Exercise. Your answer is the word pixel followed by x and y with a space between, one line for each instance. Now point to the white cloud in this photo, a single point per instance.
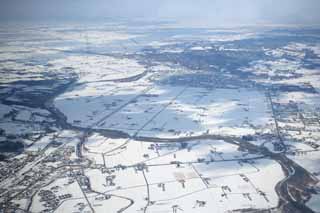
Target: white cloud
pixel 205 11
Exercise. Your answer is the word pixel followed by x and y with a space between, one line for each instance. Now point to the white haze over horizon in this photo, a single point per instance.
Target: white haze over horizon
pixel 195 12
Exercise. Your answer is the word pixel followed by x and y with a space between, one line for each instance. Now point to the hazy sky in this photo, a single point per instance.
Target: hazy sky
pixel 212 12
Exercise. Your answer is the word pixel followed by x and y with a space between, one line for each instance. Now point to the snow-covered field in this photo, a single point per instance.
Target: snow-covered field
pixel 98 68
pixel 210 171
pixel 166 111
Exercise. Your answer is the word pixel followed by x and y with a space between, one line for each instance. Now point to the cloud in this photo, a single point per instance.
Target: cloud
pixel 212 12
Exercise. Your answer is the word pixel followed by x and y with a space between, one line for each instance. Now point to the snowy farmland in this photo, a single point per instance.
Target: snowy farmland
pixel 213 172
pixel 98 68
pixel 166 111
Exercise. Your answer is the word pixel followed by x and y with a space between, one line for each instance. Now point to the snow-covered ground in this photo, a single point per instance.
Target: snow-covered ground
pixel 98 68
pixel 134 80
pixel 166 111
pixel 221 178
